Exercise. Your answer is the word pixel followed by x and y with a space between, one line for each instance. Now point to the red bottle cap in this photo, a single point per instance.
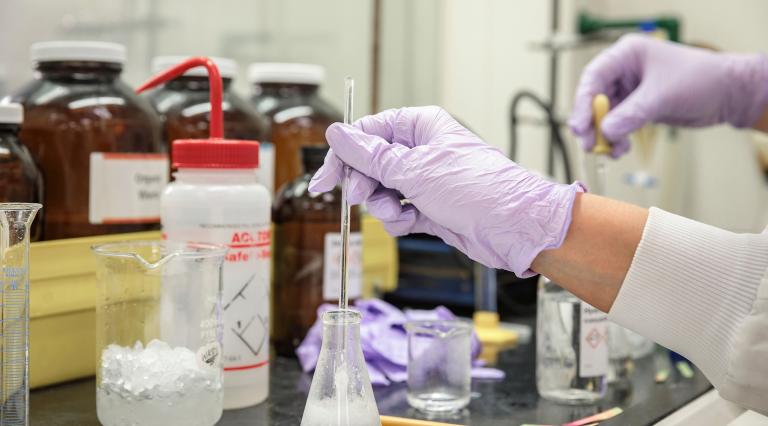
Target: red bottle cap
pixel 214 152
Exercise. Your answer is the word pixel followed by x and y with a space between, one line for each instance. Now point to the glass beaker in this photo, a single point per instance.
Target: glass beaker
pixel 571 347
pixel 439 365
pixel 341 393
pixel 15 220
pixel 158 333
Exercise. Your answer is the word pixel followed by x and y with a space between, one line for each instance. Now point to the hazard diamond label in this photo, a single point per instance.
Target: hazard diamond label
pixel 594 337
pixel 593 351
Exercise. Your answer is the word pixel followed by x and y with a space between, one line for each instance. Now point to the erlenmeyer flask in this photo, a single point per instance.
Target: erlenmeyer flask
pixel 15 220
pixel 341 393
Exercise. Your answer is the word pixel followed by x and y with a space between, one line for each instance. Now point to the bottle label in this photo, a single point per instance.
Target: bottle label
pixel 245 296
pixel 332 266
pixel 125 187
pixel 209 356
pixel 593 338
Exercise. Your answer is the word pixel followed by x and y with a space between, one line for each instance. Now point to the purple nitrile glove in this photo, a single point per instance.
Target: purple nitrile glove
pixel 653 81
pixel 385 342
pixel 460 188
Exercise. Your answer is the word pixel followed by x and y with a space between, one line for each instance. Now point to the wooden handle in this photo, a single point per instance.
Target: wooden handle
pixel 402 421
pixel 600 107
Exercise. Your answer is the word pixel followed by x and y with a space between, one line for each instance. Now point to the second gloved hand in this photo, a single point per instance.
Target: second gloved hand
pixel 459 188
pixel 652 81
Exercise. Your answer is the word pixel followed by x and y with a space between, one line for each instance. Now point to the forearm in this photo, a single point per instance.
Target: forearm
pixel 598 249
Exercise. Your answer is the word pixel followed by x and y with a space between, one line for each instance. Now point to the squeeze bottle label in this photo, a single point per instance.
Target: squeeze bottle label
pixel 126 187
pixel 332 265
pixel 593 342
pixel 245 295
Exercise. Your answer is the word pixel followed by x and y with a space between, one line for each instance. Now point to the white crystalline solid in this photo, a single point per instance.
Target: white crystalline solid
pixel 156 371
pixel 330 412
pixel 158 386
pixel 344 409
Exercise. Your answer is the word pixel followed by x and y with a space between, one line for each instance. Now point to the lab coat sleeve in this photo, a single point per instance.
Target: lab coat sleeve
pixel 703 292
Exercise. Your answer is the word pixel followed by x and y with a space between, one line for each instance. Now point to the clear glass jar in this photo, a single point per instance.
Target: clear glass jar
pixel 159 333
pixel 571 347
pixel 439 365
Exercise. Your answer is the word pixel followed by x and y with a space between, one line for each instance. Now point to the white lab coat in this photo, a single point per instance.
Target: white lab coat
pixel 703 292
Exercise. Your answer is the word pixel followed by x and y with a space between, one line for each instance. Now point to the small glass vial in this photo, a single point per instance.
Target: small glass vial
pixel 20 179
pixel 571 347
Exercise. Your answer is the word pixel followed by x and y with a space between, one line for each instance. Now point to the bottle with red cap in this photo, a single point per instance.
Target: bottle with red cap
pixel 216 199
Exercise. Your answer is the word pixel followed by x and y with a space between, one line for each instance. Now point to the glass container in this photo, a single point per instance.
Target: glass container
pixel 184 106
pixel 97 144
pixel 571 347
pixel 439 365
pixel 15 221
pixel 159 333
pixel 20 179
pixel 289 95
pixel 307 250
pixel 341 392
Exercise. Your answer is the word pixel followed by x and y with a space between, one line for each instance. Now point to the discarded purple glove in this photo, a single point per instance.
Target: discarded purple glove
pixel 384 341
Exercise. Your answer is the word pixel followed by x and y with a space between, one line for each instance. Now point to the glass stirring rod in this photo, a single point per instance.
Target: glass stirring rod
pixel 349 94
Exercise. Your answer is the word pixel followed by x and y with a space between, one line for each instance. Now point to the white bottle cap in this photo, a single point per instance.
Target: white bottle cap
pixel 11 113
pixel 227 67
pixel 272 72
pixel 96 51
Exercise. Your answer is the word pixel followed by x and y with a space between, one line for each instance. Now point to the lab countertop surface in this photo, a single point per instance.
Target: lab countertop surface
pixel 512 401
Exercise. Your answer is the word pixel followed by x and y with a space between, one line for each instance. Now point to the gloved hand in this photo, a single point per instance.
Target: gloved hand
pixel 460 188
pixel 649 80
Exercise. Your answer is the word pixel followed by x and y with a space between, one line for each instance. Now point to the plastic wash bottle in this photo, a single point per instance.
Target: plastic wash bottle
pixel 215 199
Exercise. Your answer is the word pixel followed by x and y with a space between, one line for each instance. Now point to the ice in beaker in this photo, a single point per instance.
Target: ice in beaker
pixel 439 365
pixel 571 347
pixel 158 334
pixel 341 393
pixel 15 220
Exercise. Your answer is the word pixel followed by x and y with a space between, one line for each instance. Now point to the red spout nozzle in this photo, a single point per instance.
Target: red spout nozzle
pixel 215 88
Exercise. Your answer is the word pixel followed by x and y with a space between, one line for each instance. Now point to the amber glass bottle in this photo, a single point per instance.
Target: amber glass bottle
pixel 307 249
pixel 97 144
pixel 183 104
pixel 289 95
pixel 20 180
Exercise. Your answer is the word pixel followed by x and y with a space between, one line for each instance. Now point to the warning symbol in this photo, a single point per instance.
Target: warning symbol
pixel 594 338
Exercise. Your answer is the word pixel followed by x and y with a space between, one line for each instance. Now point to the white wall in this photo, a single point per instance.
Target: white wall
pixel 486 58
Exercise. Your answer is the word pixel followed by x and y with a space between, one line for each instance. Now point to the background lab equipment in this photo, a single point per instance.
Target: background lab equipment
pixel 507 70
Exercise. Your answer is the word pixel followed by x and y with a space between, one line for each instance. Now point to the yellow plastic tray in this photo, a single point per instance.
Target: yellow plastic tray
pixel 63 295
pixel 62 307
